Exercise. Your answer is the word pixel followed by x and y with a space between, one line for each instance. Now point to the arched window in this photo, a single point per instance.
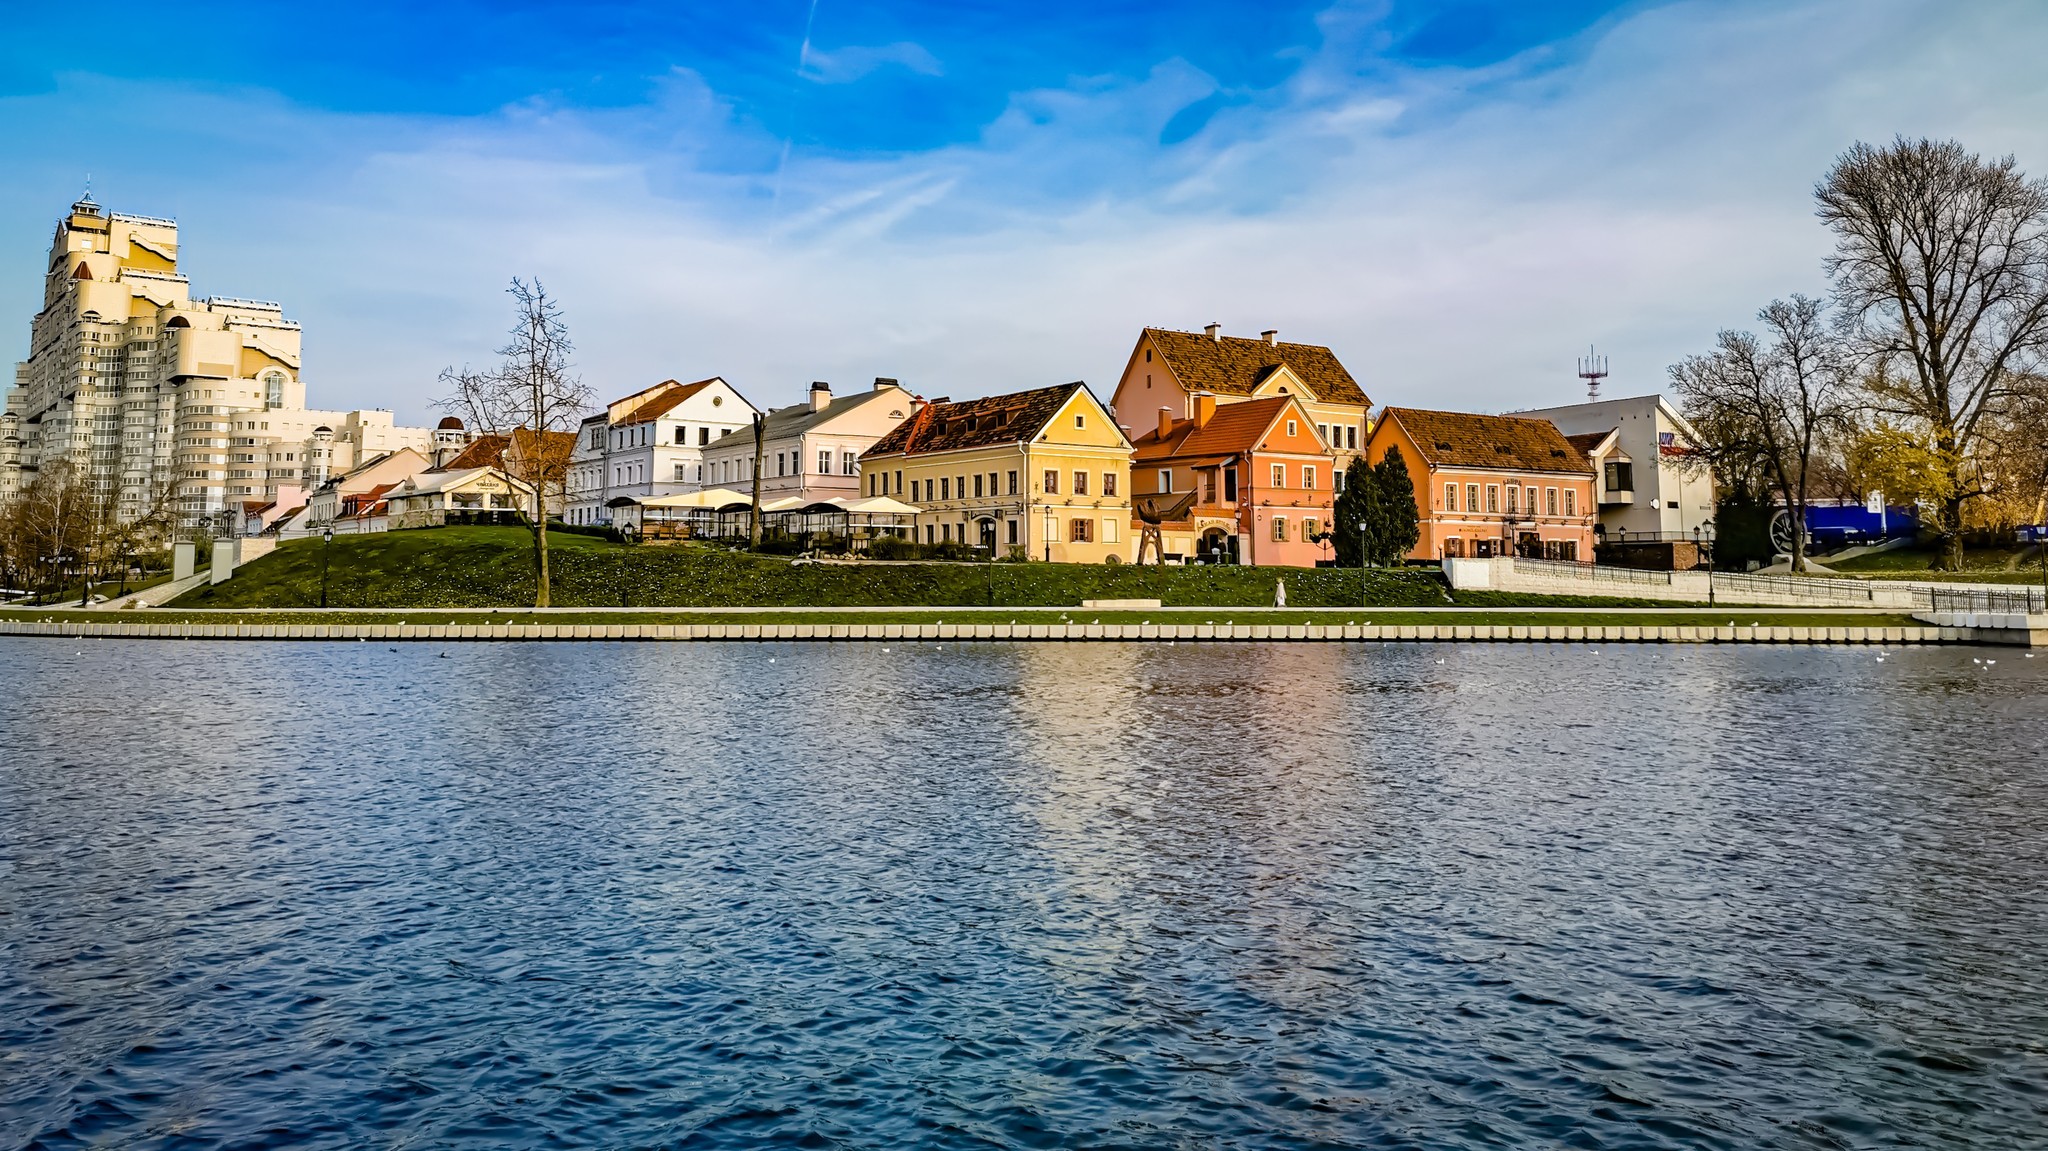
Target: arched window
pixel 273 389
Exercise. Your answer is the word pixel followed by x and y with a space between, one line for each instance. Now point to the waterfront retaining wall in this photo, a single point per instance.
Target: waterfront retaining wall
pixel 1004 632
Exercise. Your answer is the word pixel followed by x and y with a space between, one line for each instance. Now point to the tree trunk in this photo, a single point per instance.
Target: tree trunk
pixel 1951 559
pixel 754 518
pixel 540 546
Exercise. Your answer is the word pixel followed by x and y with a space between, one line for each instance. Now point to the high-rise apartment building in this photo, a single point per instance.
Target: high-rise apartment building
pixel 161 400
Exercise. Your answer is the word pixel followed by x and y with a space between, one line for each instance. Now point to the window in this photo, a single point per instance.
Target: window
pixel 1279 475
pixel 946 532
pixel 1308 477
pixel 1493 499
pixel 1512 492
pixel 871 486
pixel 1166 481
pixel 1052 483
pixel 700 473
pixel 1454 547
pixel 1531 505
pixel 1571 501
pixel 1148 356
pixel 682 473
pixel 703 436
pixel 1471 497
pixel 1550 501
pixel 780 465
pixel 1109 483
pixel 849 464
pixel 1292 429
pixel 1279 529
pixel 899 484
pixel 1013 483
pixel 1450 497
pixel 597 439
pixel 1620 476
pixel 1351 437
pixel 682 434
pixel 825 462
pixel 1080 531
pixel 1080 483
pixel 1013 530
pixel 1309 528
pixel 1323 431
pixel 945 488
pixel 1229 485
pixel 1109 531
pixel 1337 479
pixel 928 496
pixel 977 485
pixel 931 534
pixel 1080 421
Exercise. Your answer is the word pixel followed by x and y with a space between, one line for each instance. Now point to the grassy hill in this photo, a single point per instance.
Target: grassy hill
pixel 2020 565
pixel 492 567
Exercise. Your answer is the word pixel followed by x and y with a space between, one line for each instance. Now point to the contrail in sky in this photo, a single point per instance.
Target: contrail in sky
pixel 803 56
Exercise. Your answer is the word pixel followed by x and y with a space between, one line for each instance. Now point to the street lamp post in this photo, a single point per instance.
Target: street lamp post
pixel 1698 537
pixel 1048 533
pixel 1363 593
pixel 326 557
pixel 2041 549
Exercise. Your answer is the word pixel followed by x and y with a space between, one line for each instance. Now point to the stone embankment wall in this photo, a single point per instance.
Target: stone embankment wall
pixel 947 632
pixel 1562 579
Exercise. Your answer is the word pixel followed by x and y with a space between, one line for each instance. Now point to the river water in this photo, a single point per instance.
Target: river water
pixel 1021 896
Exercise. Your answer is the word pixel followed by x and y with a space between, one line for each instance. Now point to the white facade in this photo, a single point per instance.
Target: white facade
pixel 651 443
pixel 1672 493
pixel 810 451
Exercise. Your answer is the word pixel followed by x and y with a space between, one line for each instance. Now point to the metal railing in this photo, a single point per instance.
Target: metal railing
pixel 1577 571
pixel 2019 601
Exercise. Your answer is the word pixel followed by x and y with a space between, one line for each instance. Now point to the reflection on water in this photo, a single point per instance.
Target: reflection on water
pixel 1029 895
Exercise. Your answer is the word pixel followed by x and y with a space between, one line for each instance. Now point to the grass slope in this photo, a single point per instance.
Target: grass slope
pixel 491 567
pixel 1980 565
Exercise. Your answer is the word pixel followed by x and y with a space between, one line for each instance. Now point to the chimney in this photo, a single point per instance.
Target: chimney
pixel 1214 331
pixel 884 383
pixel 821 395
pixel 1205 406
pixel 1270 335
pixel 1165 422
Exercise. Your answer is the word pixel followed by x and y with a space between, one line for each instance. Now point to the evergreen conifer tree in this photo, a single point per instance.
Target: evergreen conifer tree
pixel 1357 503
pixel 1395 528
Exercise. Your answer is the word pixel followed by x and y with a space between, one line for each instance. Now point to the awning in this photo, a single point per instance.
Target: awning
pixel 882 505
pixel 708 498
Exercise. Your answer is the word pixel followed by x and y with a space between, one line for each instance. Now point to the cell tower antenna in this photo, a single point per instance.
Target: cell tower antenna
pixel 1592 369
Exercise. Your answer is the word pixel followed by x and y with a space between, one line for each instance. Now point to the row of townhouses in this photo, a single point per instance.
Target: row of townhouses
pixel 1215 447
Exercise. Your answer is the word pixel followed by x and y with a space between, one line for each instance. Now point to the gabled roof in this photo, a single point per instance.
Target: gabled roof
pixel 664 403
pixel 1591 444
pixel 485 451
pixel 1470 440
pixel 797 419
pixel 1236 366
pixel 1232 429
pixel 991 420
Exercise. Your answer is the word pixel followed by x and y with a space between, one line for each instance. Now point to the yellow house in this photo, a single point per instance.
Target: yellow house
pixel 1044 474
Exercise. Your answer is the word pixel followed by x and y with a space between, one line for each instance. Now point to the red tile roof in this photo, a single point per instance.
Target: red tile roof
pixel 1234 428
pixel 1235 366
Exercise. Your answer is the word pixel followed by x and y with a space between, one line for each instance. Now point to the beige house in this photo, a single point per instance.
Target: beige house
pixel 327 503
pixel 1043 474
pixel 437 498
pixel 811 451
pixel 1169 369
pixel 164 400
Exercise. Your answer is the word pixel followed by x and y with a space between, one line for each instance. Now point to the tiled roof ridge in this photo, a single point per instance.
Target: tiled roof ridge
pixel 1235 365
pixel 1483 441
pixel 933 427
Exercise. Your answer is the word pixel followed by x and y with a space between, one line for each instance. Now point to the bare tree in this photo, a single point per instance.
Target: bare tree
pixel 533 401
pixel 1765 406
pixel 48 528
pixel 1941 269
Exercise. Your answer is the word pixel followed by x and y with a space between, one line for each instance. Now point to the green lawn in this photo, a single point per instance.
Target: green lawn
pixel 491 567
pixel 2021 565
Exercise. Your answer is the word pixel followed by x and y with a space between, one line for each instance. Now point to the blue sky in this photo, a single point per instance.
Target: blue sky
pixel 1458 197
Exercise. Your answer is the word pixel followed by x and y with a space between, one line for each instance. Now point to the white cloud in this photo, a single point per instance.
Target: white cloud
pixel 855 61
pixel 1458 238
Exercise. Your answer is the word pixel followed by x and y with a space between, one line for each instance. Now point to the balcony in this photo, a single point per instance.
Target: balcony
pixel 1612 498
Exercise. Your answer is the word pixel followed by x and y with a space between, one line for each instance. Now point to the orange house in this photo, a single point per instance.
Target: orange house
pixel 1491 485
pixel 1260 479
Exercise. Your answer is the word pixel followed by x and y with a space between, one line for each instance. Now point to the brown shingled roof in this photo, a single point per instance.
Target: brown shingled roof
pixel 991 420
pixel 1234 365
pixel 1587 441
pixel 1469 440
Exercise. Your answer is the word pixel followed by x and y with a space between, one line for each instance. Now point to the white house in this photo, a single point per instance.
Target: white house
pixel 1651 487
pixel 651 443
pixel 810 451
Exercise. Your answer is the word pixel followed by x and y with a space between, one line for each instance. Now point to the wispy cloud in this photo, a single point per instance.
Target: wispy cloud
pixel 1457 233
pixel 856 62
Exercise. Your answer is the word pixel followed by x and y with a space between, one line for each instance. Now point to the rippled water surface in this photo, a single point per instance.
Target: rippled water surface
pixel 1033 895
